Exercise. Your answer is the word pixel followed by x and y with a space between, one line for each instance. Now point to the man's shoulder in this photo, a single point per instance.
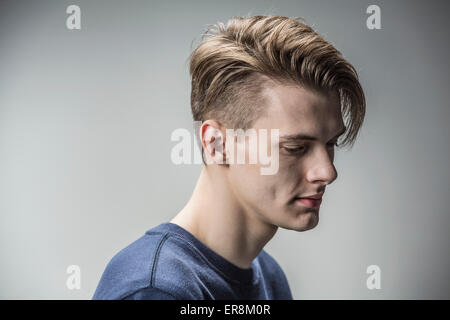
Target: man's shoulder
pixel 267 261
pixel 158 260
pixel 274 275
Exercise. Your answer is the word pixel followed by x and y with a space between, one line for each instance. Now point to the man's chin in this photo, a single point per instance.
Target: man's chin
pixel 304 222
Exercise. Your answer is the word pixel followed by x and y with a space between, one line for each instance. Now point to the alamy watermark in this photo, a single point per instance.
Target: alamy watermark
pixel 374 280
pixel 262 147
pixel 73 281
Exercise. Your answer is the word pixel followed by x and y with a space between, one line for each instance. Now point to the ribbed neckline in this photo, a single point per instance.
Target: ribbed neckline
pixel 230 270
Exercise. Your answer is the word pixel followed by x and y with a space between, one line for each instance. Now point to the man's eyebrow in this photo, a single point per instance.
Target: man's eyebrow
pixel 301 136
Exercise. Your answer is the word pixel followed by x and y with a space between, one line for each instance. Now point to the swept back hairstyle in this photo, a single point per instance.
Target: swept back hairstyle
pixel 226 69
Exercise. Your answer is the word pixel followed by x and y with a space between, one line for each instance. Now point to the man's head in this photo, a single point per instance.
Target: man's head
pixel 272 72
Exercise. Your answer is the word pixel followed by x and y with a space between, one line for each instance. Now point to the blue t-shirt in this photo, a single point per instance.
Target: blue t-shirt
pixel 168 262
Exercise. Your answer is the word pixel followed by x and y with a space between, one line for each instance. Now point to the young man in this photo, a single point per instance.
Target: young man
pixel 263 73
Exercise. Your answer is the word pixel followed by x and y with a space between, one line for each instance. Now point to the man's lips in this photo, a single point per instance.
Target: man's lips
pixel 312 201
pixel 316 196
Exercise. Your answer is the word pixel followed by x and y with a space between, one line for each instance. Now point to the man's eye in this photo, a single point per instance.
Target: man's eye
pixel 295 149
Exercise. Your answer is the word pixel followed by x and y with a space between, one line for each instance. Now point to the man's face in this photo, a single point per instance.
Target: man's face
pixel 305 166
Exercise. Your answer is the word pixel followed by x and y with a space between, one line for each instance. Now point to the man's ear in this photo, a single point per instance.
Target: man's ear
pixel 213 142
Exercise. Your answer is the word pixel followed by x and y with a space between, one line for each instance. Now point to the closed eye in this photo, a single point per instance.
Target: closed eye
pixel 295 149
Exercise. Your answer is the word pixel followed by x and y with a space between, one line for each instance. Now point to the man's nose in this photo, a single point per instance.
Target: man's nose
pixel 322 169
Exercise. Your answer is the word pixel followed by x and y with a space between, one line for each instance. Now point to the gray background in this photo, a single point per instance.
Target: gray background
pixel 85 123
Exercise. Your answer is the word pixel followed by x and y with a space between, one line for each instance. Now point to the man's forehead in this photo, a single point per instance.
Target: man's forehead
pixel 299 98
pixel 290 107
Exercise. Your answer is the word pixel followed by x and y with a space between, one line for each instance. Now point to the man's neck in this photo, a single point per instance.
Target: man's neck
pixel 214 216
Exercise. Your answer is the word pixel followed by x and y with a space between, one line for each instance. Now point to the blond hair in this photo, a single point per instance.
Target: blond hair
pixel 227 65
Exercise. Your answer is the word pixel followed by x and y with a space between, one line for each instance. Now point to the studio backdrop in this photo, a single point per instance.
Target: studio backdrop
pixel 91 92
